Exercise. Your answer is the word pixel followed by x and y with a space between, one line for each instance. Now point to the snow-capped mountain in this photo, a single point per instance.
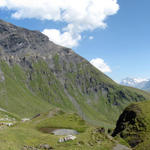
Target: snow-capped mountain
pixel 147 86
pixel 136 82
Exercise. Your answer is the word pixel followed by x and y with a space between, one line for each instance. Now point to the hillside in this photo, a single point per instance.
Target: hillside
pixel 134 125
pixel 37 75
pixel 36 134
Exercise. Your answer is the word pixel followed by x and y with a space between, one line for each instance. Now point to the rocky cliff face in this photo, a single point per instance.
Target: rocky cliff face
pixel 37 74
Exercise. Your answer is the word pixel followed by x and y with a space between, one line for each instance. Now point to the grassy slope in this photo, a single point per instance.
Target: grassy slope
pixel 27 92
pixel 145 131
pixel 28 133
pixel 137 127
pixel 16 97
pixel 93 102
pixel 45 84
pixel 26 98
pixel 5 114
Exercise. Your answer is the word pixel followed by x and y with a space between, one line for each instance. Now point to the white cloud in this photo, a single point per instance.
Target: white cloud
pixel 64 39
pixel 101 65
pixel 91 37
pixel 2 3
pixel 80 15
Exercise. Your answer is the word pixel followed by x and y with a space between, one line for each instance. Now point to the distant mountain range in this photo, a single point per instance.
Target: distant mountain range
pixel 143 84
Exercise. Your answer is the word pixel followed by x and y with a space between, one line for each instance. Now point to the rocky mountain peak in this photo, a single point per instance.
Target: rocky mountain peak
pixel 17 42
pixel 14 39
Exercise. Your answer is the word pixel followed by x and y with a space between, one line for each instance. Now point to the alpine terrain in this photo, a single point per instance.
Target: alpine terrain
pixel 44 86
pixel 133 125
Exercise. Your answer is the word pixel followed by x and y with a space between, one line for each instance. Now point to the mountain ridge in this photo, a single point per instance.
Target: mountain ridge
pixel 36 72
pixel 143 84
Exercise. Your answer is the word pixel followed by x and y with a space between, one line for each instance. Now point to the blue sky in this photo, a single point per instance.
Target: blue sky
pixel 123 46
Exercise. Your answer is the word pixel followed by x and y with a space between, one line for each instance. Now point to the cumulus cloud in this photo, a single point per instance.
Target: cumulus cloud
pixel 80 15
pixel 2 3
pixel 101 65
pixel 64 39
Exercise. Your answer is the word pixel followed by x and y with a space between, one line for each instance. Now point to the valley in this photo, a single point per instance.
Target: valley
pixel 47 86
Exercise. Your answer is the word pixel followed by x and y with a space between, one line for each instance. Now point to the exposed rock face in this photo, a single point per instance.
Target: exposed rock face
pixel 18 42
pixel 14 39
pixel 40 147
pixel 57 75
pixel 2 77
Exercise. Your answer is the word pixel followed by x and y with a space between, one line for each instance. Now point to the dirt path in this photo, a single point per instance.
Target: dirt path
pixel 121 147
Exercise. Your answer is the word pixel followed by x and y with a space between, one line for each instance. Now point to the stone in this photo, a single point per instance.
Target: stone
pixel 67 138
pixel 45 146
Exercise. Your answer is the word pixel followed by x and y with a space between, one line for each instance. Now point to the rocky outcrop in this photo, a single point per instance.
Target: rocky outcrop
pixel 40 147
pixel 131 125
pixel 67 138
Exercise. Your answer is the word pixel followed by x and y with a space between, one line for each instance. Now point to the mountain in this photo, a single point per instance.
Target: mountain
pixel 137 83
pixel 133 125
pixel 44 86
pixel 37 75
pixel 147 86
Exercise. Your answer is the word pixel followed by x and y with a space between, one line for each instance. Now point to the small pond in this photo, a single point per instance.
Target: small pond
pixel 59 131
pixel 64 132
